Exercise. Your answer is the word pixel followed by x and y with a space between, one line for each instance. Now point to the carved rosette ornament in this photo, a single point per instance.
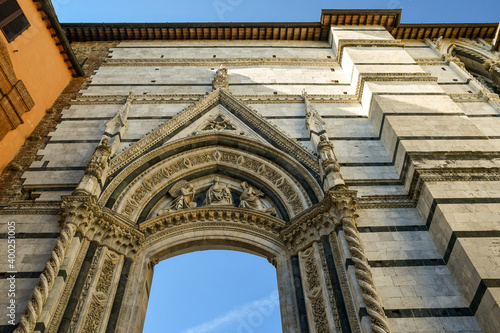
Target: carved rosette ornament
pixel 343 206
pixel 76 210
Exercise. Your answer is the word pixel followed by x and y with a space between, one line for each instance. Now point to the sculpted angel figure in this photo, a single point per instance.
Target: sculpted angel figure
pixel 218 194
pixel 249 198
pixel 184 197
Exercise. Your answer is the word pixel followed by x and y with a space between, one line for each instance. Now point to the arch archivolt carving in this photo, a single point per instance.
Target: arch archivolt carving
pixel 252 231
pixel 140 190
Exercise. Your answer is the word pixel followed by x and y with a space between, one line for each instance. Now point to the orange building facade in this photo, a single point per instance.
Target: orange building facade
pixel 36 64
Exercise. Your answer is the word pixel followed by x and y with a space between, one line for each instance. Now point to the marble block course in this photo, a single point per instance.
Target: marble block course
pixel 423 159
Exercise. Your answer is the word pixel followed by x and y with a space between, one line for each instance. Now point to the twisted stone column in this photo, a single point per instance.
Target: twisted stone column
pixel 346 208
pixel 74 213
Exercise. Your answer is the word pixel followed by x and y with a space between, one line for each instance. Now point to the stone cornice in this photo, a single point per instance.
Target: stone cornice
pixel 216 62
pixel 32 208
pixel 190 99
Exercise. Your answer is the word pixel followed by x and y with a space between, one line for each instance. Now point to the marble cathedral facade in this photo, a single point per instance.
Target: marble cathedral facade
pixel 358 155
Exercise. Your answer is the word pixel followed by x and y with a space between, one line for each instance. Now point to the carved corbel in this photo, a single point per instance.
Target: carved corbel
pixel 114 232
pixel 309 227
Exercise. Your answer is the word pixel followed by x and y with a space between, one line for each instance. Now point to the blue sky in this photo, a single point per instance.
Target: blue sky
pixel 222 291
pixel 414 11
pixel 214 291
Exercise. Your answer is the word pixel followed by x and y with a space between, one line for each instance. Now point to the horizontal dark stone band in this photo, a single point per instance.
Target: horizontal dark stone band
pixel 69 168
pixel 56 188
pixel 400 263
pixel 482 115
pixel 433 114
pixel 72 141
pixel 84 118
pixel 477 137
pixel 451 201
pixel 228 46
pixel 153 84
pixel 453 83
pixel 394 228
pixel 27 235
pixel 411 94
pixel 467 234
pixel 422 312
pixel 368 164
pixel 390 182
pixel 28 275
pixel 428 312
pixel 385 63
pixel 481 290
pixel 406 263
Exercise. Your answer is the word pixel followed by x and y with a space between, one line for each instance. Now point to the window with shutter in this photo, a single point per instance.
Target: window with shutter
pixel 12 19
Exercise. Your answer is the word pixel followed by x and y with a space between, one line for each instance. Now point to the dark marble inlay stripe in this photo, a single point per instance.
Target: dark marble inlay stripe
pixel 299 294
pixel 428 312
pixel 467 234
pixel 451 201
pixel 394 228
pixel 29 275
pixel 26 235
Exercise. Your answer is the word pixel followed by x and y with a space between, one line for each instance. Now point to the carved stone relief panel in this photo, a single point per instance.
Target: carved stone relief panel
pixel 93 308
pixel 140 191
pixel 323 317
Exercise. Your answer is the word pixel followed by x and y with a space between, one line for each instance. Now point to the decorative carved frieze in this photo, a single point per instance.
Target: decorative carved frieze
pixel 190 98
pixel 137 193
pixel 230 215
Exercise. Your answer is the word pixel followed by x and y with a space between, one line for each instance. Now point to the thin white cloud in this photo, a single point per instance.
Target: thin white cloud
pixel 261 308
